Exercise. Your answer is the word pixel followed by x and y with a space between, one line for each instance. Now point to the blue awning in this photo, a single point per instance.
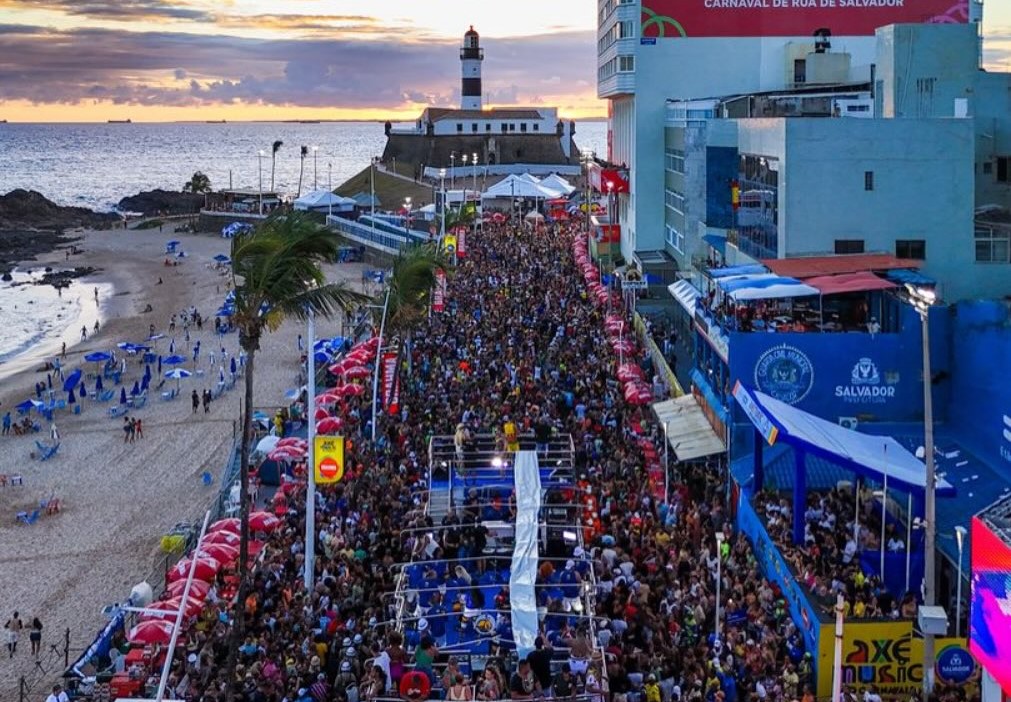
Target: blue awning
pixel 712 399
pixel 719 243
pixel 908 275
pixel 749 269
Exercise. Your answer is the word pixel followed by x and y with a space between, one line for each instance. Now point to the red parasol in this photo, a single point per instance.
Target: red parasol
pixel 222 537
pixel 320 413
pixel 329 425
pixel 286 453
pixel 327 398
pixel 206 569
pixel 198 588
pixel 263 521
pixel 352 390
pixel 231 524
pixel 151 632
pixel 292 441
pixel 357 373
pixel 223 553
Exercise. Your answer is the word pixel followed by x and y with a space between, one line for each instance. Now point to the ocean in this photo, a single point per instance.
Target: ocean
pixel 95 165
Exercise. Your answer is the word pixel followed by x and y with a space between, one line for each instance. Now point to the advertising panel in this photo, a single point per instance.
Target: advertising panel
pixel 388 376
pixel 990 611
pixel 790 18
pixel 887 656
pixel 328 455
pixel 439 294
pixel 834 375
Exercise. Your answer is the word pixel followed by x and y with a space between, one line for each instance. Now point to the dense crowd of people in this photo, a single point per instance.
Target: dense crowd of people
pixel 519 344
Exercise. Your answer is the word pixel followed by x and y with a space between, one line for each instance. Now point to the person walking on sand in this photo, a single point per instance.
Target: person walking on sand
pixel 207 400
pixel 63 351
pixel 96 295
pixel 126 429
pixel 138 428
pixel 84 333
pixel 133 429
pixel 196 401
pixel 54 433
pixel 12 631
pixel 35 636
pixel 7 424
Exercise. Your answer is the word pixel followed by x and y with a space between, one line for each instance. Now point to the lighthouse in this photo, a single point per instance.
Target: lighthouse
pixel 471 56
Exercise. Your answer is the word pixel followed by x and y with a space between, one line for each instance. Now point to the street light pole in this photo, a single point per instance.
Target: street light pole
pixel 375 375
pixel 259 155
pixel 315 171
pixel 719 578
pixel 960 539
pixel 329 187
pixel 442 210
pixel 310 492
pixel 452 169
pixel 922 299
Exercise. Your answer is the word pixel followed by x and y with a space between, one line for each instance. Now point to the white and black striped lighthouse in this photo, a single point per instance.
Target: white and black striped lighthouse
pixel 471 56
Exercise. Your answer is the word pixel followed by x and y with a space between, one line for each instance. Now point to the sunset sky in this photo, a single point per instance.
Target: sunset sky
pixel 161 60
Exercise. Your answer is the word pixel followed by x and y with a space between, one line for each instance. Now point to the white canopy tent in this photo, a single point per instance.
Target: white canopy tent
pixel 556 182
pixel 519 187
pixel 319 200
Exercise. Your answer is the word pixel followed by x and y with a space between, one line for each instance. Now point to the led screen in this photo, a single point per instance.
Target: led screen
pixel 990 625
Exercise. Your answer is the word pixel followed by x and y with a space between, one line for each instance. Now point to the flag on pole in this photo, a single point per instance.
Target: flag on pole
pixel 439 294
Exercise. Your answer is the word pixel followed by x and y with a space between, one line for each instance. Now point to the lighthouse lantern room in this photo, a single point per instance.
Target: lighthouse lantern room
pixel 471 56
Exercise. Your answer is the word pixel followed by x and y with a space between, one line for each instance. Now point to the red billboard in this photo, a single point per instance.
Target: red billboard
pixel 990 611
pixel 790 18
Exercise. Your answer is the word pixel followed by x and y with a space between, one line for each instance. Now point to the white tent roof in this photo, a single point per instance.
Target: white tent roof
pixel 686 294
pixel 688 431
pixel 321 198
pixel 519 186
pixel 556 182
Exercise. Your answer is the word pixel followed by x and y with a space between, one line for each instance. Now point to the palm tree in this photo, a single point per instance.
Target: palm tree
pixel 276 274
pixel 273 160
pixel 411 282
pixel 301 168
pixel 198 183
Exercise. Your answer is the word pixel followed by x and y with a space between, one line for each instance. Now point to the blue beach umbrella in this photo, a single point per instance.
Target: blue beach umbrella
pixel 172 346
pixel 147 372
pixel 144 382
pixel 173 360
pixel 231 365
pixel 25 406
pixel 70 397
pixel 72 380
pixel 178 374
pixel 49 380
pixel 122 395
pixel 159 365
pixel 98 384
pixel 98 357
pixel 135 390
pixel 221 258
pixel 83 392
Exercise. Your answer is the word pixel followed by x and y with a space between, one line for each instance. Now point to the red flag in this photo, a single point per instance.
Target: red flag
pixel 439 294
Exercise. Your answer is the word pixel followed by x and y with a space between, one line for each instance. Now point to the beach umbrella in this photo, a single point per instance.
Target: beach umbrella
pixel 135 390
pixel 178 374
pixel 329 425
pixel 151 632
pixel 27 405
pixel 83 392
pixel 357 373
pixel 70 397
pixel 352 390
pixel 173 242
pixel 72 380
pixel 286 453
pixel 327 398
pixel 172 346
pixel 221 374
pixel 221 537
pixel 156 337
pixel 159 365
pixel 320 413
pixel 230 524
pixel 98 357
pixel 206 569
pixel 198 588
pixel 266 444
pixel 144 383
pixel 122 395
pixel 263 522
pixel 173 360
pixel 147 372
pixel 98 384
pixel 166 610
pixel 221 258
pixel 321 356
pixel 294 441
pixel 224 553
pixel 232 365
pixel 49 380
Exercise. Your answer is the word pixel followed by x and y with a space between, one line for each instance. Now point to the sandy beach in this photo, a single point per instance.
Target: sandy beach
pixel 117 499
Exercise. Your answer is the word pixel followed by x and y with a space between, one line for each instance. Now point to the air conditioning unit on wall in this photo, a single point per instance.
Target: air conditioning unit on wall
pixel 848 422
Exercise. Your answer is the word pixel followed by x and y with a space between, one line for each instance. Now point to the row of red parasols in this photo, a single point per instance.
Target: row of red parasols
pixel 218 551
pixel 635 389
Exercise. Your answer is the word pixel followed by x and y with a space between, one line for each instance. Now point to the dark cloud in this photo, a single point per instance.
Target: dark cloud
pixel 116 10
pixel 339 72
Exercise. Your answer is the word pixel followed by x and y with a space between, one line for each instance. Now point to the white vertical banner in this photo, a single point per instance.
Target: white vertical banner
pixel 526 556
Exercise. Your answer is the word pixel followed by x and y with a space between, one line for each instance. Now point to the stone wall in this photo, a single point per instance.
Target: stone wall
pixel 421 150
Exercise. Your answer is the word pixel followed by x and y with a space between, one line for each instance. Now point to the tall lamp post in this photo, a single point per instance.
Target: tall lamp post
pixel 923 299
pixel 452 169
pixel 719 578
pixel 329 188
pixel 310 492
pixel 442 207
pixel 260 156
pixel 587 161
pixel 960 532
pixel 477 202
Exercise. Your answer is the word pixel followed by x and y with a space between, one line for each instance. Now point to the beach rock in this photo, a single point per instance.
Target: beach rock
pixel 28 209
pixel 21 245
pixel 162 202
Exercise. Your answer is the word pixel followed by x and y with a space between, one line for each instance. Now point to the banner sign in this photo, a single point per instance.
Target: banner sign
pixel 673 19
pixel 461 243
pixel 388 370
pixel 746 402
pixel 449 244
pixel 439 294
pixel 328 457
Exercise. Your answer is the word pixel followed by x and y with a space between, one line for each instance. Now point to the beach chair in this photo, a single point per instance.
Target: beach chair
pixel 28 519
pixel 140 400
pixel 169 394
pixel 217 390
pixel 16 479
pixel 46 451
pixel 117 410
pixel 106 396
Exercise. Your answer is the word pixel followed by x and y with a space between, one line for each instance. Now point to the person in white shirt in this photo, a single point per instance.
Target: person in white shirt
pixel 896 544
pixel 58 695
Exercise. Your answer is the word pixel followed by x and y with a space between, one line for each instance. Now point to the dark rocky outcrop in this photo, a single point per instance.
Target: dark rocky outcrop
pixel 162 202
pixel 27 209
pixel 19 246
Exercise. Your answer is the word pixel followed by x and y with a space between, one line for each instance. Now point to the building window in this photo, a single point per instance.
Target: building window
pixel 676 239
pixel 505 127
pixel 1002 169
pixel 537 127
pixel 674 201
pixel 512 127
pixel 987 167
pixel 868 180
pixel 993 245
pixel 757 218
pixel 674 160
pixel 849 246
pixel 487 127
pixel 523 126
pixel 911 248
pixel 799 71
pixel 459 126
pixel 626 64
